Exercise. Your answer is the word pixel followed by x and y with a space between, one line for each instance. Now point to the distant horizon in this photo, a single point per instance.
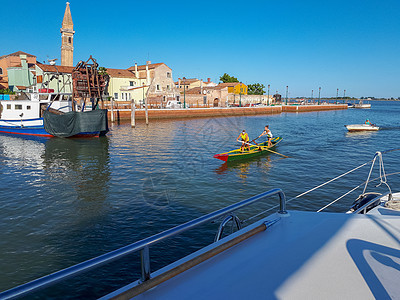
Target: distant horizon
pixel 345 45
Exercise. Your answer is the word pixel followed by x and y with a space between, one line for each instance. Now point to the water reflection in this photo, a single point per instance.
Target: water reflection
pixel 361 134
pixel 243 168
pixel 80 163
pixel 21 152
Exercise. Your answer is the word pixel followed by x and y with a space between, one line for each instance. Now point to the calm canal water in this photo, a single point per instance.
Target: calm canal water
pixel 67 200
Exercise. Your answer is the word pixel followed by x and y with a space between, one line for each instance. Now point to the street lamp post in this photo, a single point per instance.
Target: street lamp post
pixel 287 87
pixel 240 95
pixel 344 96
pixel 337 96
pixel 319 96
pixel 268 95
pixel 312 96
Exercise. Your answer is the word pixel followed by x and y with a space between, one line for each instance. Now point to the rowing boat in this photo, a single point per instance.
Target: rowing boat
pixel 237 154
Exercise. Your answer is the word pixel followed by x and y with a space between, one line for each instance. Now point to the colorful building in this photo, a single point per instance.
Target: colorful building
pixel 17 67
pixel 184 84
pixel 125 86
pixel 237 88
pixel 158 77
pixel 54 79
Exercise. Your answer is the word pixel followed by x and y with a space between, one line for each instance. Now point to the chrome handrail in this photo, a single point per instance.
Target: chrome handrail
pixel 235 221
pixel 142 245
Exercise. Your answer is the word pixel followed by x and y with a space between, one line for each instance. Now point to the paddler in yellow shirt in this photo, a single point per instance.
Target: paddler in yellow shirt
pixel 244 138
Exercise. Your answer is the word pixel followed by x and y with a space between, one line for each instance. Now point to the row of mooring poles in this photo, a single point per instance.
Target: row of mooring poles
pixel 133 110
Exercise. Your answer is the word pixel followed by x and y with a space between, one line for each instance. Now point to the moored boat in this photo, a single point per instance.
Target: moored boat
pixel 46 113
pixel 255 150
pixel 39 115
pixel 361 104
pixel 361 127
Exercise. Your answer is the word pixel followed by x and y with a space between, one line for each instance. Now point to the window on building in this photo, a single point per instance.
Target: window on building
pixel 158 87
pixel 168 75
pixel 1 71
pixel 116 96
pixel 69 40
pixel 18 107
pixel 28 107
pixel 168 87
pixel 131 83
pixel 8 106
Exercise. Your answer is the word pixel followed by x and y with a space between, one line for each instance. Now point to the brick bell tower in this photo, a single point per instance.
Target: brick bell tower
pixel 67 39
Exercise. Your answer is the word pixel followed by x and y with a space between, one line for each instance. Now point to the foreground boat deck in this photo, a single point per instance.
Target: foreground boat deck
pixel 303 255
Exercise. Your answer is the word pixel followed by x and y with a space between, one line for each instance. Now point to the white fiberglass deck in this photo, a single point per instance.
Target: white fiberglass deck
pixel 305 255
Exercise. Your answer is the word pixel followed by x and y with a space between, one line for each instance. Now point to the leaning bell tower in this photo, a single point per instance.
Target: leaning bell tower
pixel 67 39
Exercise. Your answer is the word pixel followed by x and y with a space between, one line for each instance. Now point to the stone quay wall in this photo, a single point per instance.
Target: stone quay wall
pixel 154 114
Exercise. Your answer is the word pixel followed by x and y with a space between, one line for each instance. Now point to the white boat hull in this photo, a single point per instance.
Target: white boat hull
pixel 361 127
pixel 362 106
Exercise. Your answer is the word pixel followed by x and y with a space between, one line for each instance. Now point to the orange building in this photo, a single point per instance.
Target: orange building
pixel 11 61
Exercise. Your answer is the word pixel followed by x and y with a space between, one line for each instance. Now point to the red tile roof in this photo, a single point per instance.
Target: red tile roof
pixel 50 68
pixel 196 90
pixel 229 84
pixel 143 67
pixel 18 53
pixel 120 73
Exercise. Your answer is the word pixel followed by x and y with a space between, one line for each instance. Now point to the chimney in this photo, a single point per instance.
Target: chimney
pixel 147 74
pixel 208 80
pixel 24 63
pixel 136 71
pixel 148 62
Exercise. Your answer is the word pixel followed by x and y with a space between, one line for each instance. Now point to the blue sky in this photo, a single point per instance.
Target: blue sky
pixel 352 45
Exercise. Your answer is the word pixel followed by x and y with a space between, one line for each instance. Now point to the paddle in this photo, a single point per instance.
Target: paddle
pixel 266 148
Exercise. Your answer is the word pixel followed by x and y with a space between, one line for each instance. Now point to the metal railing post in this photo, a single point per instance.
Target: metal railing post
pixel 145 263
pixel 282 203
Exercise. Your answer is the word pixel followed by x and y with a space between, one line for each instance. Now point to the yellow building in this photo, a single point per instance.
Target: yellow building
pixel 237 88
pixel 124 86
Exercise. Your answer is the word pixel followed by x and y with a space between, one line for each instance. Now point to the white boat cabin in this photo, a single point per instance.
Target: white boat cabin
pixel 32 108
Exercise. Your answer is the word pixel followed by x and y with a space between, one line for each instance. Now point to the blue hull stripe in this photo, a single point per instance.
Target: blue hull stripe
pixel 37 131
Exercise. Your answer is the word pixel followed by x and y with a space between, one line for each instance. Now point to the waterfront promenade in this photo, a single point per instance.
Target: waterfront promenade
pixel 125 113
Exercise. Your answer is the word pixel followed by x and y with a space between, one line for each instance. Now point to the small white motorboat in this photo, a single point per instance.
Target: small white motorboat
pixel 361 127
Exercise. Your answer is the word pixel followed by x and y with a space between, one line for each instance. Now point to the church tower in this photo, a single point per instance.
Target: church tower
pixel 67 39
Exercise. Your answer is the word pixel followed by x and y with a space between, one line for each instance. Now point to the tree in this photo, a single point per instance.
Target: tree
pixel 255 89
pixel 103 71
pixel 226 78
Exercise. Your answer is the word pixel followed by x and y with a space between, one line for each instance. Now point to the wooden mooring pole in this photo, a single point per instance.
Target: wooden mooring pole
pixel 132 113
pixel 112 110
pixel 146 112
